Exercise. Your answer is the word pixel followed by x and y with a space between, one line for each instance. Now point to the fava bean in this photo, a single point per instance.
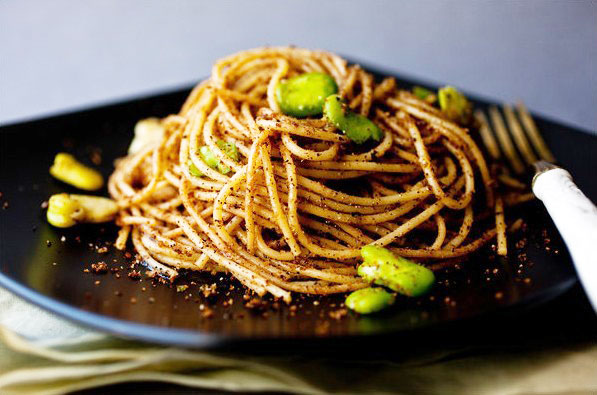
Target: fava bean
pixel 369 300
pixel 455 105
pixel 382 267
pixel 229 149
pixel 423 93
pixel 355 126
pixel 193 169
pixel 303 95
pixel 213 161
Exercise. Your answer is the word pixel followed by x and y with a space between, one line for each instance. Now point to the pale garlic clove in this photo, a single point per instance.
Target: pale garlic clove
pixel 63 212
pixel 148 132
pixel 66 210
pixel 67 169
pixel 97 209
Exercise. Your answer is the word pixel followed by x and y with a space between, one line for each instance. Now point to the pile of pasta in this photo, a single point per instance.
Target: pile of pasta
pixel 291 212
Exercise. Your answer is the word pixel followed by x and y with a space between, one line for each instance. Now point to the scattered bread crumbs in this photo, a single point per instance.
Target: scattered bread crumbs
pixel 338 314
pixel 134 275
pixel 207 313
pixel 208 290
pixel 99 268
pixel 256 304
pixel 96 157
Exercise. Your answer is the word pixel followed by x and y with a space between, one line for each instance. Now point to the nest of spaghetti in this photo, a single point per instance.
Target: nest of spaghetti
pixel 292 209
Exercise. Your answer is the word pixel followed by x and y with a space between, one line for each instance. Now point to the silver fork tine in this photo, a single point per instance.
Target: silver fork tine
pixel 505 141
pixel 487 135
pixel 519 136
pixel 533 133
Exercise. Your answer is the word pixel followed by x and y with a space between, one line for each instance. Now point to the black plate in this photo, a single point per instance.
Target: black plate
pixel 37 265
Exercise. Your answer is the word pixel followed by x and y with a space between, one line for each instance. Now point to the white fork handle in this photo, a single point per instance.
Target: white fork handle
pixel 575 217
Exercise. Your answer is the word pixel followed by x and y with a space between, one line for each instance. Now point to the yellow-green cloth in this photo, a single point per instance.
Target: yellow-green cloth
pixel 43 354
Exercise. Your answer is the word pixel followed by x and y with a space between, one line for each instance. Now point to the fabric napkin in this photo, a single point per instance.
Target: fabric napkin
pixel 43 354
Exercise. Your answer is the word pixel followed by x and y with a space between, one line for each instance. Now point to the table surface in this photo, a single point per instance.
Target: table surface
pixel 58 55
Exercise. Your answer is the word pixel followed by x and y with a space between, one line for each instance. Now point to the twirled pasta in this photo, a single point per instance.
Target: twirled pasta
pixel 284 219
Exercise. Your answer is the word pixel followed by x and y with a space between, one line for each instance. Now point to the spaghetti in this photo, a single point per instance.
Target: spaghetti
pixel 292 211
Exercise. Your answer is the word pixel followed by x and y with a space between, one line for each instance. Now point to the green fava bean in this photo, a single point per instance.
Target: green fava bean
pixel 355 126
pixel 212 161
pixel 303 95
pixel 193 169
pixel 208 157
pixel 421 93
pixel 229 149
pixel 369 300
pixel 454 104
pixel 382 267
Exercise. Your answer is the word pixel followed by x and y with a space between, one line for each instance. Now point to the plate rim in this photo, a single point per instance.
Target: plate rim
pixel 132 330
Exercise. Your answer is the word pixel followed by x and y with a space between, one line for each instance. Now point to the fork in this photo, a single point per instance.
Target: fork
pixel 573 213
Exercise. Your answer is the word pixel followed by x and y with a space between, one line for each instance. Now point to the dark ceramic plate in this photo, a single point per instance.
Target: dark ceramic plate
pixel 37 265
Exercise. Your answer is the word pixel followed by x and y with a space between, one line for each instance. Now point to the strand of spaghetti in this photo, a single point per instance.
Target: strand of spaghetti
pixel 226 191
pixel 465 228
pixel 500 227
pixel 299 129
pixel 306 154
pixel 213 255
pixel 249 279
pixel 152 263
pixel 210 141
pixel 230 117
pixel 123 235
pixel 281 70
pixel 249 192
pixel 424 159
pixel 275 201
pixel 231 226
pixel 367 92
pixel 330 174
pixel 409 98
pixel 330 193
pixel 469 178
pixel 362 166
pixel 235 95
pixel 348 83
pixel 452 131
pixel 385 88
pixel 377 152
pixel 441 233
pixel 293 211
pixel 451 252
pixel 270 252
